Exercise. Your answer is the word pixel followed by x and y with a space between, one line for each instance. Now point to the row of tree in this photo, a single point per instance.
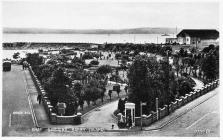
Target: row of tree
pixel 150 79
pixel 69 82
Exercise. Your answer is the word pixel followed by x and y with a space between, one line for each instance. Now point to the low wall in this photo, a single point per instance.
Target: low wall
pixel 173 106
pixel 146 120
pixel 152 117
pixel 163 112
pixel 53 117
pixel 179 103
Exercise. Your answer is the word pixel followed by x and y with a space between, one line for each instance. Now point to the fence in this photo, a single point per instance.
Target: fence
pixel 53 117
pixel 152 117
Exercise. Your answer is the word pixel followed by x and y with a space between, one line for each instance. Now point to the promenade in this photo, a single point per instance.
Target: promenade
pixel 22 113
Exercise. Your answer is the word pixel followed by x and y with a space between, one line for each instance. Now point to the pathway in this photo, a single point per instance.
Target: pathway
pixel 105 113
pixel 199 84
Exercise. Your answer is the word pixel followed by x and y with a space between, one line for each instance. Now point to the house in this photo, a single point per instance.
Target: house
pixel 171 40
pixel 198 37
pixel 94 46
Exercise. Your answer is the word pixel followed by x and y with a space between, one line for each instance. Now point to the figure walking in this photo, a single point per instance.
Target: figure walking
pixel 126 89
pixel 24 64
pixel 39 98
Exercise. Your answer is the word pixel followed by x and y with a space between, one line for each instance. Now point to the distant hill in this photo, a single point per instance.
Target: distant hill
pixel 146 30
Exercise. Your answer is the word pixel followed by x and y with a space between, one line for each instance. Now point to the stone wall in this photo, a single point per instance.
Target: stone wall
pixel 53 117
pixel 152 117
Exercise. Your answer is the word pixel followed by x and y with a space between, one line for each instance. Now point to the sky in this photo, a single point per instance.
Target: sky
pixel 109 15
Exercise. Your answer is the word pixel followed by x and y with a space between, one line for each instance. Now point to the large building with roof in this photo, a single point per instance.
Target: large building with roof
pixel 198 37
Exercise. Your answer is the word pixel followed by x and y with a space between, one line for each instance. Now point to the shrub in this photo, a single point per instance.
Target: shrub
pixel 104 69
pixel 16 55
pixel 94 62
pixel 118 56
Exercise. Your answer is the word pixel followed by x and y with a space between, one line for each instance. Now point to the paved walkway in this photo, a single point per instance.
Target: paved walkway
pixel 39 111
pixel 199 84
pixel 101 117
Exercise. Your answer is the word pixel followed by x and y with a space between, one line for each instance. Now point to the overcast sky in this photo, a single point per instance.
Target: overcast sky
pixel 100 15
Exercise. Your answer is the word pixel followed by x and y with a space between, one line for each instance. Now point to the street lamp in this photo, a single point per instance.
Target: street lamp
pixel 157 108
pixel 141 104
pixel 168 71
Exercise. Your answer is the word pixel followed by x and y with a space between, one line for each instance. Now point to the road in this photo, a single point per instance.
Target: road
pixel 203 120
pixel 16 113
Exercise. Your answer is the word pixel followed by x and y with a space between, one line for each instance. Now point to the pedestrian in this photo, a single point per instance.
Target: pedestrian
pixel 24 64
pixel 112 126
pixel 109 94
pixel 130 122
pixel 127 122
pixel 126 89
pixel 39 98
pixel 125 100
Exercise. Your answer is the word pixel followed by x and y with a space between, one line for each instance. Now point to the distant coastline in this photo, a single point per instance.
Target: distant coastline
pixel 146 30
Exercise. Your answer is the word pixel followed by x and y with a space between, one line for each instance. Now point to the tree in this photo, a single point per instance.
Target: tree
pixel 77 88
pixel 16 55
pixel 34 59
pixel 149 80
pixel 181 53
pixel 94 62
pixel 56 86
pixel 95 94
pixel 209 67
pixel 45 71
pixel 52 62
pixel 104 69
pixel 118 56
pixel 140 82
pixel 91 94
pixel 176 63
pixel 184 86
pixel 207 49
pixel 117 88
pixel 78 62
pixel 78 74
pixel 92 91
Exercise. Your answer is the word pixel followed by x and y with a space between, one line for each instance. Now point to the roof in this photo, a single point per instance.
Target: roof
pixel 201 33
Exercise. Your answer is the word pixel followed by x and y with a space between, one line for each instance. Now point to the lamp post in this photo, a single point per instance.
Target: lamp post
pixel 157 108
pixel 141 114
pixel 168 71
pixel 141 104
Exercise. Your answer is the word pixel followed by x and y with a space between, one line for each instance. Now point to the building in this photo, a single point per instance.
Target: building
pixel 94 46
pixel 171 40
pixel 198 37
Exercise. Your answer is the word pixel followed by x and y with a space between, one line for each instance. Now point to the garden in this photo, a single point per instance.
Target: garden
pixel 66 80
